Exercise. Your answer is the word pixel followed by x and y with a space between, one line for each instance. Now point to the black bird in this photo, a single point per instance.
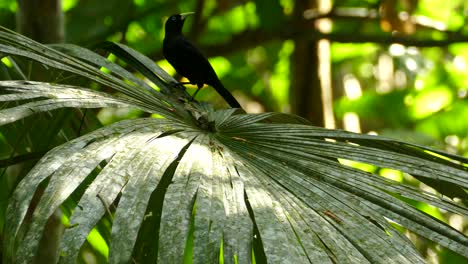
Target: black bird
pixel 189 61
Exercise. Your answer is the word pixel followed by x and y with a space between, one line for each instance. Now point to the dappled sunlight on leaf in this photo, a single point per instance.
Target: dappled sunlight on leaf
pixel 430 101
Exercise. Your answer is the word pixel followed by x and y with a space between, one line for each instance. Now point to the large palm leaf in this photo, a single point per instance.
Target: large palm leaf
pixel 199 184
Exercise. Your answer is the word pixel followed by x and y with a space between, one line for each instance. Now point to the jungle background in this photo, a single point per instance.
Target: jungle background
pixel 393 67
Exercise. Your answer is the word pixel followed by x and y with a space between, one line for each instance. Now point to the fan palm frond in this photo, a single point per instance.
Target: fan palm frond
pixel 202 184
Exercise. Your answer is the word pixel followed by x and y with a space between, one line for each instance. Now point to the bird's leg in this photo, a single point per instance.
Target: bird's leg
pixel 176 85
pixel 198 89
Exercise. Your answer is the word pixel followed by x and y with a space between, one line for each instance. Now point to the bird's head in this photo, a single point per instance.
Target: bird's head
pixel 175 23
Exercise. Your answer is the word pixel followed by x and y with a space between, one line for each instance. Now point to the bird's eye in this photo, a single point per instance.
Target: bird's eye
pixel 173 18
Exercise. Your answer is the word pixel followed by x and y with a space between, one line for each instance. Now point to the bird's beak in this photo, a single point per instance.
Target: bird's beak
pixel 184 15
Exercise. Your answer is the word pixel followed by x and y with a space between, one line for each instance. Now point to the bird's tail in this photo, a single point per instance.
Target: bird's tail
pixel 231 100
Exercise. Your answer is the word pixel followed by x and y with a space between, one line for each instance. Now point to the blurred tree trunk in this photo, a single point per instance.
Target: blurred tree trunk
pixel 41 20
pixel 308 98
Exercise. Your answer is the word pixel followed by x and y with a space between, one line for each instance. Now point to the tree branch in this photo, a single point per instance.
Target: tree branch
pixel 361 15
pixel 253 38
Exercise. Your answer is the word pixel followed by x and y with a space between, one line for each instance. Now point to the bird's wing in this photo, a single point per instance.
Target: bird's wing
pixel 190 50
pixel 190 62
pixel 193 63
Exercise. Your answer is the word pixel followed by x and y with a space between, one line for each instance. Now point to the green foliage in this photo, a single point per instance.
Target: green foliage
pixel 270 13
pixel 252 45
pixel 224 184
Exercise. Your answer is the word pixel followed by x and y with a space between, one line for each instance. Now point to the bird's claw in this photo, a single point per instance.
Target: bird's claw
pixel 177 85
